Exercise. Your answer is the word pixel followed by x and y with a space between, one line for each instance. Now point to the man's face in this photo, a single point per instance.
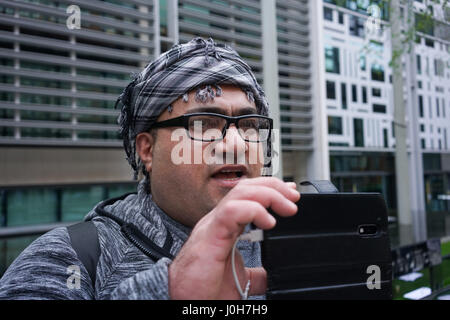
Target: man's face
pixel 189 190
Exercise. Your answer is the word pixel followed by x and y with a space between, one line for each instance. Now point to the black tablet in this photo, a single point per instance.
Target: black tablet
pixel 336 247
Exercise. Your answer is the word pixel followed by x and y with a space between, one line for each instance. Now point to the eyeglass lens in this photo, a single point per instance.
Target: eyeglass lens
pixel 211 128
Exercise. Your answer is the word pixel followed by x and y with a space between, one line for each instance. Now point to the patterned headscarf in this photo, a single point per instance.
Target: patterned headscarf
pixel 199 64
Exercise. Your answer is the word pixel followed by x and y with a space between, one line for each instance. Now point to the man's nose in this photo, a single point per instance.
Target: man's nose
pixel 232 142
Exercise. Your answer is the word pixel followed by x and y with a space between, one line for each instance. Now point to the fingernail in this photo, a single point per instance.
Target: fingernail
pixel 294 192
pixel 273 221
pixel 292 185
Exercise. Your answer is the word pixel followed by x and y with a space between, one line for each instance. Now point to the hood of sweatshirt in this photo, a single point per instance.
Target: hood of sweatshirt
pixel 141 211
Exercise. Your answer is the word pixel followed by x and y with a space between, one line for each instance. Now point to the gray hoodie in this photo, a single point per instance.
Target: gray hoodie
pixel 42 270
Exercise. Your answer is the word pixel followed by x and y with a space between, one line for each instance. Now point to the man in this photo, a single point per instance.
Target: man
pixel 192 210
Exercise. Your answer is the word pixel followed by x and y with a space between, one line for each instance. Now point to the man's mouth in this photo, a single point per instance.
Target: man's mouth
pixel 230 174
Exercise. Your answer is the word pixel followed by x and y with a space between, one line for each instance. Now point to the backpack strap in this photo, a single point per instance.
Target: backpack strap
pixel 322 186
pixel 84 239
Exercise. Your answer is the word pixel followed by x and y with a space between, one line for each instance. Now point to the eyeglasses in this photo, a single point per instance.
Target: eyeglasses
pixel 210 127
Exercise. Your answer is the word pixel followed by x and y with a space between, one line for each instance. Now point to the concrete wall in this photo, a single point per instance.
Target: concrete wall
pixel 45 165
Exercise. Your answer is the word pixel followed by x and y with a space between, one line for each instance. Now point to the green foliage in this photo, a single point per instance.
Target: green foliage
pixel 424 22
pixel 400 287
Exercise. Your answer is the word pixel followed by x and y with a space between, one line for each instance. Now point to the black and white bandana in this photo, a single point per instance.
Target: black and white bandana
pixel 199 64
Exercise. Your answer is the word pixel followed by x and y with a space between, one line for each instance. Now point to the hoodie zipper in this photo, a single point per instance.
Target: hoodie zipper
pixel 130 236
pixel 127 229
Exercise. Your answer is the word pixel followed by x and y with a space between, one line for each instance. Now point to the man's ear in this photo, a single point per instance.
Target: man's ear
pixel 144 146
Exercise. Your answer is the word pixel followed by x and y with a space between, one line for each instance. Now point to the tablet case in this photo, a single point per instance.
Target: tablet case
pixel 330 249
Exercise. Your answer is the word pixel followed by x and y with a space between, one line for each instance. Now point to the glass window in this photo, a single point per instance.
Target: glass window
pixel 364 94
pixel 376 92
pixel 11 248
pixel 327 14
pixel 334 125
pixel 332 59
pixel 376 48
pixel 344 95
pixel 430 107
pixel 102 74
pixel 385 138
pixel 379 108
pixel 44 67
pixel 435 188
pixel 341 18
pixel 362 62
pixel 44 99
pixel 45 133
pixel 445 141
pixel 91 134
pixel 118 190
pixel 43 50
pixel 439 67
pixel 437 108
pixel 6 79
pixel 443 108
pixel 6 62
pixel 6 132
pixel 77 202
pixel 421 106
pixel 354 93
pixel 44 116
pixel 99 89
pixel 424 24
pixel 429 42
pixel 24 81
pixel 6 114
pixel 419 64
pixel 88 118
pixel 6 96
pixel 87 103
pixel 31 206
pixel 163 17
pixel 331 90
pixel 356 26
pixel 377 72
pixel 358 132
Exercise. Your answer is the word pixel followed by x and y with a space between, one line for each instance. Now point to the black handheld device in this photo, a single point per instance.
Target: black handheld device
pixel 336 247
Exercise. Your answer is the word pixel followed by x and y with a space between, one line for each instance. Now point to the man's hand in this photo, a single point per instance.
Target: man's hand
pixel 202 269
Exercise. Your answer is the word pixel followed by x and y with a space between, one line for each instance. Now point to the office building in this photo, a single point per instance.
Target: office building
pixel 329 84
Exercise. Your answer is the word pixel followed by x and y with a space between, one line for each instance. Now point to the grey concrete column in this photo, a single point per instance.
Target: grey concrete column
pixel 416 162
pixel 73 88
pixel 144 36
pixel 17 133
pixel 270 76
pixel 401 156
pixel 318 161
pixel 173 30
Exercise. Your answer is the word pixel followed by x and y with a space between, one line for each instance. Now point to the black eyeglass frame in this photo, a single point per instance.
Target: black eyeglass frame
pixel 183 121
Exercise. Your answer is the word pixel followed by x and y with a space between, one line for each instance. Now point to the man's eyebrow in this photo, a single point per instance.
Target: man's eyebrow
pixel 212 109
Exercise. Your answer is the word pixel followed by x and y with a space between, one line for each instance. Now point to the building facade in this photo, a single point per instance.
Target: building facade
pixel 327 79
pixel 60 152
pixel 360 104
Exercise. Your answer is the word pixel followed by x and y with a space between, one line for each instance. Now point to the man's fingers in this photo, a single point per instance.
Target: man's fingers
pixel 287 189
pixel 258 281
pixel 268 197
pixel 249 204
pixel 231 220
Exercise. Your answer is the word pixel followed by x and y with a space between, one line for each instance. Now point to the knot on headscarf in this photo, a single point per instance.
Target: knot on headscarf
pixel 199 64
pixel 210 50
